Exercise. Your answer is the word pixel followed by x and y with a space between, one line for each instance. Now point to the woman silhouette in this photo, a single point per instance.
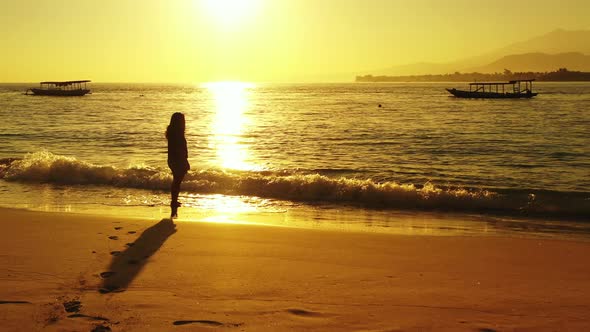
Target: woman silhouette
pixel 177 158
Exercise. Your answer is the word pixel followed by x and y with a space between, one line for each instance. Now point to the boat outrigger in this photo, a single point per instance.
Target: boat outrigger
pixel 515 89
pixel 66 88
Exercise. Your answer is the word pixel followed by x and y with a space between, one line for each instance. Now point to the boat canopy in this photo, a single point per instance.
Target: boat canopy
pixel 65 83
pixel 517 81
pixel 500 87
pixel 501 83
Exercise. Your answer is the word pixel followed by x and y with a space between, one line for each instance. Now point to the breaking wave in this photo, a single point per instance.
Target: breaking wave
pixel 45 167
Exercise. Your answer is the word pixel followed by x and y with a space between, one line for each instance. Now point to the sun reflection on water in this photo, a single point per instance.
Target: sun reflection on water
pixel 231 101
pixel 224 203
pixel 226 209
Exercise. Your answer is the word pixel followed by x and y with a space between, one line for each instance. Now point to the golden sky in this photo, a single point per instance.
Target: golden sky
pixel 258 40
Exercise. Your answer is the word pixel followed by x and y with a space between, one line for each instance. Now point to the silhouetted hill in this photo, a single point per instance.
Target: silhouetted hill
pixel 560 75
pixel 554 43
pixel 537 62
pixel 422 68
pixel 557 41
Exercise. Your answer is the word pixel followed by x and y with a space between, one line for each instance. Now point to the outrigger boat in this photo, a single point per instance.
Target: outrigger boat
pixel 66 88
pixel 515 89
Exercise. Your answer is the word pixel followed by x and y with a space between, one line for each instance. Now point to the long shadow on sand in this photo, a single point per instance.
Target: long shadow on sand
pixel 127 264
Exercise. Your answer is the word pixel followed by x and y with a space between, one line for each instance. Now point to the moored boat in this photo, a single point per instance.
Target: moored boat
pixel 64 89
pixel 515 89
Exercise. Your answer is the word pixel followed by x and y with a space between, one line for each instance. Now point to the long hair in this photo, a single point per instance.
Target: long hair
pixel 176 126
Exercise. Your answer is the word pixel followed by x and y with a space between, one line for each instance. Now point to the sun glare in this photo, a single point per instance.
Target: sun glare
pixel 231 102
pixel 229 12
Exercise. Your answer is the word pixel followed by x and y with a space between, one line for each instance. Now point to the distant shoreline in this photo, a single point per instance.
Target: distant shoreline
pixel 359 79
pixel 560 75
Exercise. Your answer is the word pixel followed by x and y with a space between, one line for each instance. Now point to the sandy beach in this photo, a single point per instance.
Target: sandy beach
pixel 75 272
pixel 358 166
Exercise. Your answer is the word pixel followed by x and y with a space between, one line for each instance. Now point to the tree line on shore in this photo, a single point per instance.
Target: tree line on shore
pixel 560 75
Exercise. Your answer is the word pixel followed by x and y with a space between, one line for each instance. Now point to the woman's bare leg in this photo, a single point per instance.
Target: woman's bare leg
pixel 174 191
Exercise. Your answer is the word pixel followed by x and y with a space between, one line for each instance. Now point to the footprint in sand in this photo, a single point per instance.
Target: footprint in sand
pixel 111 289
pixel 303 313
pixel 113 237
pixel 115 253
pixel 130 244
pixel 118 228
pixel 88 317
pixel 210 323
pixel 131 232
pixel 14 302
pixel 107 274
pixel 101 328
pixel 72 306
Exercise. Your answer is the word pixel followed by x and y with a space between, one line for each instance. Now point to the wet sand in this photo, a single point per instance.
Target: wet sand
pixel 75 272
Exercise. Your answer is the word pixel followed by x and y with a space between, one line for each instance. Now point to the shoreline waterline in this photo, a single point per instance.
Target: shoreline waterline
pixel 224 209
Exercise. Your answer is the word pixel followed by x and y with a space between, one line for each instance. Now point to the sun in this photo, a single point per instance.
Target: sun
pixel 229 12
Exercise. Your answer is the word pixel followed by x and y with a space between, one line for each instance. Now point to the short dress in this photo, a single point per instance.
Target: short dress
pixel 178 155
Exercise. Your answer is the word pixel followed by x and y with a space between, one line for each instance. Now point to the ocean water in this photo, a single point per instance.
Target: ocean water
pixel 383 149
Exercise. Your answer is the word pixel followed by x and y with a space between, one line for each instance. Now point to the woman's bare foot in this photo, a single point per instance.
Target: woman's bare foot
pixel 173 210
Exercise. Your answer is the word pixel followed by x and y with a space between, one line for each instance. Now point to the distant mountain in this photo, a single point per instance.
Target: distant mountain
pixel 556 42
pixel 560 75
pixel 537 62
pixel 422 68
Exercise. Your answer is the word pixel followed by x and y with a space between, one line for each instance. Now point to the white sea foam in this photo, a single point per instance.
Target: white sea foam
pixel 45 167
